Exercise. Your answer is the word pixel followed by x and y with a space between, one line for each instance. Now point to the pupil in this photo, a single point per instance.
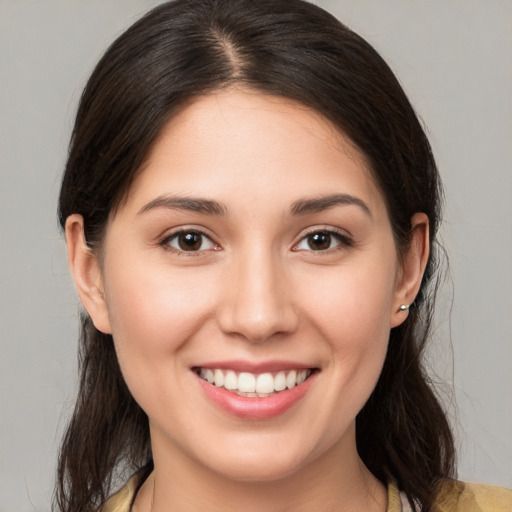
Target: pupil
pixel 189 241
pixel 319 241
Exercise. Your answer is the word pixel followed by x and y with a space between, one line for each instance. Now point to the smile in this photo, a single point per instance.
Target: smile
pixel 254 385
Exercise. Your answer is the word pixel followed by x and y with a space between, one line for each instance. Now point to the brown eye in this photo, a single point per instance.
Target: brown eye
pixel 319 241
pixel 189 241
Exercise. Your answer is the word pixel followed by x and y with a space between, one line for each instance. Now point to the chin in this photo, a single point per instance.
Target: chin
pixel 265 459
pixel 247 469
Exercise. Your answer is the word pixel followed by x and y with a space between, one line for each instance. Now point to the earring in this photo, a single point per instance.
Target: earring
pixel 404 307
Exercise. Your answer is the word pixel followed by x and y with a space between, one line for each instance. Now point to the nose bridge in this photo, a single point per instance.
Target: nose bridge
pixel 257 301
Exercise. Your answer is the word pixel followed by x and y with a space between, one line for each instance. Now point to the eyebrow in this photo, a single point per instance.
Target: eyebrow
pixel 199 205
pixel 212 207
pixel 318 204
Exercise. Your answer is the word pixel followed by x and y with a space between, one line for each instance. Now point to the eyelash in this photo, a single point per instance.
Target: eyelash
pixel 340 239
pixel 166 242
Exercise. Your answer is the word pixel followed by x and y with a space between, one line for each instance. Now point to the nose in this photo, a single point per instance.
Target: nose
pixel 257 302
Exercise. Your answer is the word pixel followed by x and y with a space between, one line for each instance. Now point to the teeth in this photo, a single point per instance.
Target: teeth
pixel 231 380
pixel 301 376
pixel 219 378
pixel 291 379
pixel 265 383
pixel 280 381
pixel 254 385
pixel 246 383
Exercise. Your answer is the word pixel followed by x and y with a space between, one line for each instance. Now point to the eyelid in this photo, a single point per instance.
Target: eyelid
pixel 164 240
pixel 345 240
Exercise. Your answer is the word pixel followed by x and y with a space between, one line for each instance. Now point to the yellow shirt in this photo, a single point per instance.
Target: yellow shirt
pixel 454 497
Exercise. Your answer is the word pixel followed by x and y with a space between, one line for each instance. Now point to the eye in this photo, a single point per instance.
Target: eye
pixel 322 240
pixel 189 241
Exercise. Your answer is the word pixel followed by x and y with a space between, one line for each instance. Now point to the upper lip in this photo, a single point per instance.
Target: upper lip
pixel 255 367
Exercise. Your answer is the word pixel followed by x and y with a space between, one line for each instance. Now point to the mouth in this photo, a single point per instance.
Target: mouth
pixel 254 385
pixel 255 391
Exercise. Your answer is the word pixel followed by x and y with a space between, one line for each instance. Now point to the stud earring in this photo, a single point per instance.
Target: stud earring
pixel 404 307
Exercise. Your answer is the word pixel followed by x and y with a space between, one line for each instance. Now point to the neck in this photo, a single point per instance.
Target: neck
pixel 338 481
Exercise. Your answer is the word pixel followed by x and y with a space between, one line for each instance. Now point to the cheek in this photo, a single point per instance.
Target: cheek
pixel 153 313
pixel 351 306
pixel 351 310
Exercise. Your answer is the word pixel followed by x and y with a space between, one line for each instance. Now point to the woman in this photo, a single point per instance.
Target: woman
pixel 250 207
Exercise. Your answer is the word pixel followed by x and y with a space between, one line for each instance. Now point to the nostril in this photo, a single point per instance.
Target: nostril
pixel 254 327
pixel 257 299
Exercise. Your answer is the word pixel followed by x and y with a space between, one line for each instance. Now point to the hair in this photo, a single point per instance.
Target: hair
pixel 286 48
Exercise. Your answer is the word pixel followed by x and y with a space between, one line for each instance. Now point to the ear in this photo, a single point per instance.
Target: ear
pixel 87 274
pixel 413 263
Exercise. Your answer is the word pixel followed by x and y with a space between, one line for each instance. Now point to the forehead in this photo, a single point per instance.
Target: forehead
pixel 240 142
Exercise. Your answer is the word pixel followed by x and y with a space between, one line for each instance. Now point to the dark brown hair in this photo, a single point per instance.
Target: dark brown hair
pixel 288 48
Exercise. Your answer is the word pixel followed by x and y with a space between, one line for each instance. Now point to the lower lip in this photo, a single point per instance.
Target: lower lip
pixel 250 408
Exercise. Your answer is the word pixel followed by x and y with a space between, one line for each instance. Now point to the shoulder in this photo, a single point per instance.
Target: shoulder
pixel 121 501
pixel 456 496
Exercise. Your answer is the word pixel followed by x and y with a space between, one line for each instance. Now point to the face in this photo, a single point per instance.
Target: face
pixel 250 281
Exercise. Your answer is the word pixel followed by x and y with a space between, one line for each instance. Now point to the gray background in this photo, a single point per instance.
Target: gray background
pixel 453 58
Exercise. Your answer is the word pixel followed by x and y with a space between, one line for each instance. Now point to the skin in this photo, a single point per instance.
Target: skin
pixel 256 291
